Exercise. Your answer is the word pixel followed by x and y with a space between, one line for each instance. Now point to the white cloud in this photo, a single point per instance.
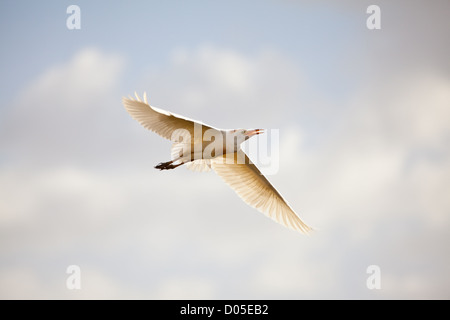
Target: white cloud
pixel 185 287
pixel 19 283
pixel 225 88
pixel 410 110
pixel 365 183
pixel 29 195
pixel 27 283
pixel 89 75
pixel 67 112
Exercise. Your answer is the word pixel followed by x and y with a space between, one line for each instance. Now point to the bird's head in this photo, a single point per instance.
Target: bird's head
pixel 252 132
pixel 245 134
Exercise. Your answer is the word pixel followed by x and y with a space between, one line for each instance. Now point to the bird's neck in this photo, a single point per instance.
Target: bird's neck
pixel 232 141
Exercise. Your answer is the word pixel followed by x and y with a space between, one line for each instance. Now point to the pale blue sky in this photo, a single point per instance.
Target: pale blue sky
pixel 34 34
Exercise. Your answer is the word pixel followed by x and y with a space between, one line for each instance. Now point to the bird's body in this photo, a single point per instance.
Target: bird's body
pixel 202 148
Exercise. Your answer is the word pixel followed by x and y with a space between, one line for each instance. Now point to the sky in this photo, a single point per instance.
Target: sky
pixel 363 117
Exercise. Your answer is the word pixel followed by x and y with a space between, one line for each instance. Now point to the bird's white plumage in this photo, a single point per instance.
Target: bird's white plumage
pixel 241 174
pixel 200 165
pixel 162 122
pixel 253 187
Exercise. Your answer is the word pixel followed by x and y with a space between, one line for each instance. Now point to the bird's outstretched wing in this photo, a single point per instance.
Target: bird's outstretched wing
pixel 162 122
pixel 253 187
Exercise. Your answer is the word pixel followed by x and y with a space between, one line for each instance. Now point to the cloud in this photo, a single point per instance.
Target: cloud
pixel 32 195
pixel 84 191
pixel 60 116
pixel 228 87
pixel 408 110
pixel 27 283
pixel 185 288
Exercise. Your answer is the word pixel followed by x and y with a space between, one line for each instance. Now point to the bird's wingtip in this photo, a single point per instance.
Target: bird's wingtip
pixel 307 230
pixel 145 97
pixel 136 98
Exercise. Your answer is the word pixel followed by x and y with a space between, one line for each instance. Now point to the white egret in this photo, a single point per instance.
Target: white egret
pixel 202 147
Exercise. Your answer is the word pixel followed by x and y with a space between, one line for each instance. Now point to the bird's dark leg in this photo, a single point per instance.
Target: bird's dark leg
pixel 167 165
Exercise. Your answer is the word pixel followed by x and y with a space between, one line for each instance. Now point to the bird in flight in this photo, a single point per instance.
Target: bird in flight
pixel 201 148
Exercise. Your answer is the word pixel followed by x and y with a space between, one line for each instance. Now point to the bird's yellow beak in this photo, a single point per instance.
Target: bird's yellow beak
pixel 251 133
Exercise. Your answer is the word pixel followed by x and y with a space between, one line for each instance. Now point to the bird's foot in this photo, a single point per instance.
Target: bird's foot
pixel 167 165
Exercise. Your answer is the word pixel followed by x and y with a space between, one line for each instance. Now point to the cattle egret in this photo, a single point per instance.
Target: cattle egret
pixel 202 147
